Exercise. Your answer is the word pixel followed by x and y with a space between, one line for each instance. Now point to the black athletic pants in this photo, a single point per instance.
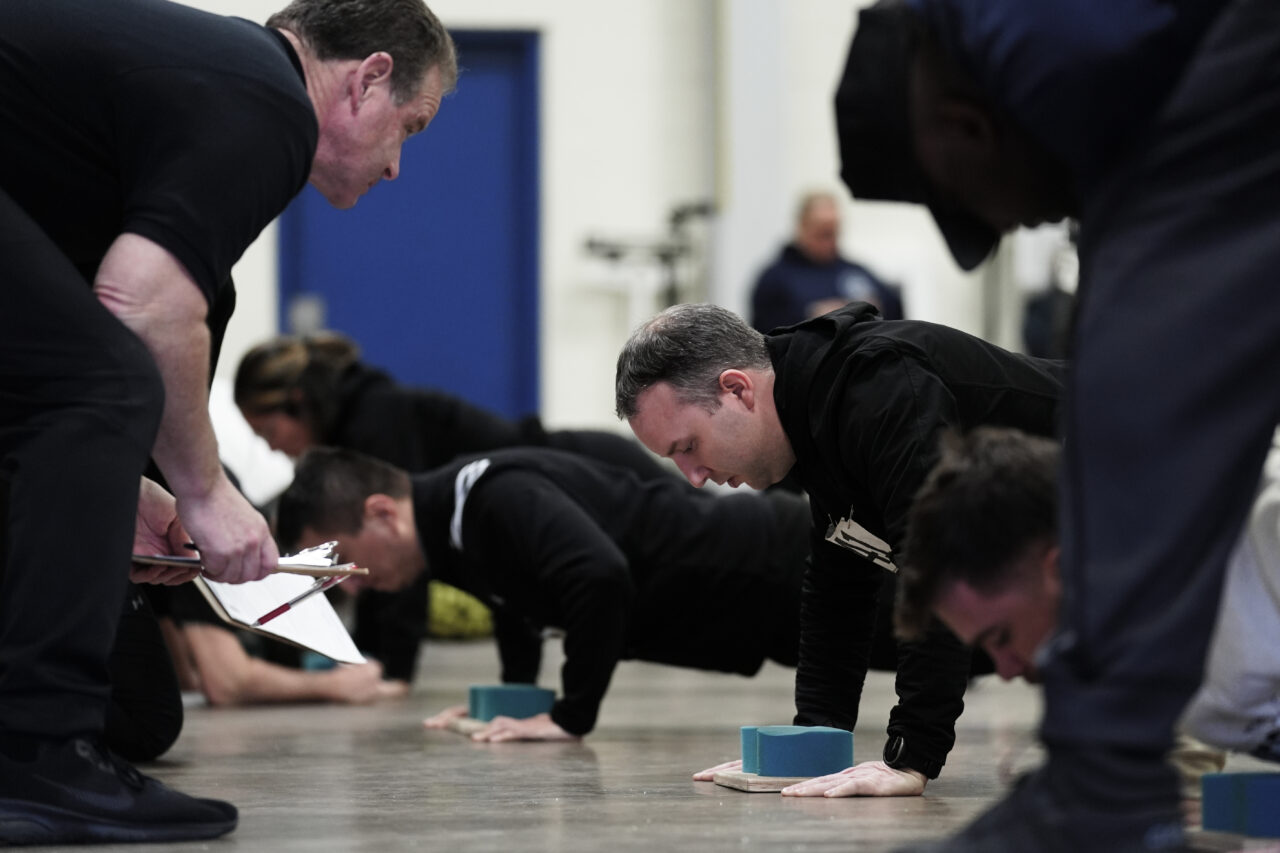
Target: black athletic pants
pixel 1175 393
pixel 80 405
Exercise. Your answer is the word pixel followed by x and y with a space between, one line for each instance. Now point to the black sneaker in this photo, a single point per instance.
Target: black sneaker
pixel 76 792
pixel 1042 814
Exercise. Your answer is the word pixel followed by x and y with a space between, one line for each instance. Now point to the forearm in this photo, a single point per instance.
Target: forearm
pixel 186 449
pixel 837 616
pixel 261 682
pixel 595 637
pixel 148 291
pixel 519 647
pixel 932 676
pixel 230 676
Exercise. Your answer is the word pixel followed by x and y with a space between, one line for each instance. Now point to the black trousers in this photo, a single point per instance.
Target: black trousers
pixel 80 405
pixel 1175 393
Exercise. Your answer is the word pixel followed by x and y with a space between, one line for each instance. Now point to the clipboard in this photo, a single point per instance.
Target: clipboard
pixel 312 625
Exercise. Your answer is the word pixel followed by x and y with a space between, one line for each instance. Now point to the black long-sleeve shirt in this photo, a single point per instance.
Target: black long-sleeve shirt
pixel 652 570
pixel 863 402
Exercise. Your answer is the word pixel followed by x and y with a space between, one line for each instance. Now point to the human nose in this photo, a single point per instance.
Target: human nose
pixel 1008 665
pixel 393 168
pixel 696 474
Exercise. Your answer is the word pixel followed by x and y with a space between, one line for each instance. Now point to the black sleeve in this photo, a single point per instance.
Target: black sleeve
pixel 837 616
pixel 519 647
pixel 531 535
pixel 913 406
pixel 204 176
pixel 892 461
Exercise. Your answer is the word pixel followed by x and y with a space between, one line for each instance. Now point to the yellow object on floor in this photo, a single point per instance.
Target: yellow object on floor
pixel 456 615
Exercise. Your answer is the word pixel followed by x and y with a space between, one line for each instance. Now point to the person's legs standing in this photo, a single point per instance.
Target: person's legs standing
pixel 1174 394
pixel 1174 397
pixel 80 404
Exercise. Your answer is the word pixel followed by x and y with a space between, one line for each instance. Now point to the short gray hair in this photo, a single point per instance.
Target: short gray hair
pixel 688 347
pixel 355 29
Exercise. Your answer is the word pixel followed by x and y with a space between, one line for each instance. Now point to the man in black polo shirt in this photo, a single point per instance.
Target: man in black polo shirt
pixel 854 404
pixel 145 145
pixel 627 568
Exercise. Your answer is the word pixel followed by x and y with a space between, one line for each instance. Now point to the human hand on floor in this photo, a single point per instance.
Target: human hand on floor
pixel 362 683
pixel 539 727
pixel 868 779
pixel 709 775
pixel 441 720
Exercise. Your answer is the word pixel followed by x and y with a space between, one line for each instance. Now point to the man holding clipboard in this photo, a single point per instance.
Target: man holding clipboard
pixel 146 145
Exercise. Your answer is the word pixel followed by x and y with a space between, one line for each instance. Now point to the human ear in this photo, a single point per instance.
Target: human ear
pixel 380 510
pixel 374 73
pixel 738 383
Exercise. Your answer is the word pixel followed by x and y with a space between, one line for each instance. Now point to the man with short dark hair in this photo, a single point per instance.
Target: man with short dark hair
pixel 627 568
pixel 1153 124
pixel 145 146
pixel 984 528
pixel 852 406
pixel 982 554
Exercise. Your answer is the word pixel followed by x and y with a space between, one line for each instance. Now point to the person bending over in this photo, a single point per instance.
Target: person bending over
pixel 298 392
pixel 626 568
pixel 851 405
pixel 983 554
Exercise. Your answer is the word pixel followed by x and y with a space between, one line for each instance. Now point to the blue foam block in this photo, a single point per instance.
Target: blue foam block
pixel 796 750
pixel 508 700
pixel 750 758
pixel 1243 803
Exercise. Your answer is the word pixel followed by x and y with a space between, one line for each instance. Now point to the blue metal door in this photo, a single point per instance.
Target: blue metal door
pixel 435 274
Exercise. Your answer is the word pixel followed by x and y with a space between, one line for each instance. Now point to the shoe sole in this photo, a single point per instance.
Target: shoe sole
pixel 33 823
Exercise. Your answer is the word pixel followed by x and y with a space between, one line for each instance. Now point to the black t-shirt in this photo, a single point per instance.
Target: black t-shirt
pixel 143 116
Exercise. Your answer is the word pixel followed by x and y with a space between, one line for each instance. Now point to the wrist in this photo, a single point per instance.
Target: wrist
pixel 900 755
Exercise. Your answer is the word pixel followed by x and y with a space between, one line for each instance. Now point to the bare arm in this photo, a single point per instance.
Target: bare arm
pixel 153 295
pixel 230 676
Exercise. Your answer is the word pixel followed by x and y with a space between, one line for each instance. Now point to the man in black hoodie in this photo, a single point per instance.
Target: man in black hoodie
pixel 854 404
pixel 627 568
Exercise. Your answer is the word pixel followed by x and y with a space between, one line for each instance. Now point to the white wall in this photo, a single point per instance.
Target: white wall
pixel 647 104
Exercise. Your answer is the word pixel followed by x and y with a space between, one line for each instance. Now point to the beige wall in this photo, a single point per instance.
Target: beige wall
pixel 651 103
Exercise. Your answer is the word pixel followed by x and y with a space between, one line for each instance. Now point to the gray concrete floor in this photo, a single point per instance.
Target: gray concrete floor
pixel 323 778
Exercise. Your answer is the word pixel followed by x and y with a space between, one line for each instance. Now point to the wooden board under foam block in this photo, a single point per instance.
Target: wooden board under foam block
pixel 754 783
pixel 774 757
pixel 465 725
pixel 1244 803
pixel 508 700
